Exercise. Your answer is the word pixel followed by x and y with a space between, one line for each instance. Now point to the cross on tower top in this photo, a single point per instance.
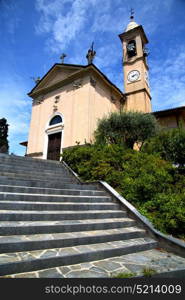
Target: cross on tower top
pixel 62 57
pixel 131 13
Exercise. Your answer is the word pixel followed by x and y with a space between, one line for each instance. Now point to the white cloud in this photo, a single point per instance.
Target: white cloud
pixel 63 19
pixel 168 80
pixel 70 23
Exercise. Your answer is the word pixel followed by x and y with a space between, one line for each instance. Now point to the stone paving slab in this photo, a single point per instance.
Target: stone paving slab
pixel 68 251
pixel 160 261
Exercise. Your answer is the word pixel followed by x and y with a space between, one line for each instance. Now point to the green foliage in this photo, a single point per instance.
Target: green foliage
pixel 170 144
pixel 154 186
pixel 167 212
pixel 144 176
pixel 125 275
pixel 126 128
pixel 3 136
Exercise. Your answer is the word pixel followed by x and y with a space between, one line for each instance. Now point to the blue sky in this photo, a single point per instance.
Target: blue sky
pixel 34 33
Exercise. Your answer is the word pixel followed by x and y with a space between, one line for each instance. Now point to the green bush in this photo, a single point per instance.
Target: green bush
pixel 167 212
pixel 170 144
pixel 154 186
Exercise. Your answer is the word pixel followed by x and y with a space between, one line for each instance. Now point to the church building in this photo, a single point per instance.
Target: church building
pixel 70 99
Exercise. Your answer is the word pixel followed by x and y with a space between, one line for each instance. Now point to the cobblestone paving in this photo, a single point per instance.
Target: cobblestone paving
pixel 159 261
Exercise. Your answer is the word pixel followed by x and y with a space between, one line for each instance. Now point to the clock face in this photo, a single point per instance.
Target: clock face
pixel 133 75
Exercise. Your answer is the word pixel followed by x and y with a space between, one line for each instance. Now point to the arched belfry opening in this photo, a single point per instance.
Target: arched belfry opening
pixel 131 48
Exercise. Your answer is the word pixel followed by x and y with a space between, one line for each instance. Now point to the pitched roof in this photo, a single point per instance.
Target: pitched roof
pixel 169 111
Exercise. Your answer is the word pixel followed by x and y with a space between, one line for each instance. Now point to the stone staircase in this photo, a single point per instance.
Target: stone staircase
pixel 49 220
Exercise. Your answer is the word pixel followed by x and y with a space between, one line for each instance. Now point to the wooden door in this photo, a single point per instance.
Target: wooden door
pixel 54 145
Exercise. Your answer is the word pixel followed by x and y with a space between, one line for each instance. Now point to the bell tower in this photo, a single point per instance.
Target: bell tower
pixel 135 68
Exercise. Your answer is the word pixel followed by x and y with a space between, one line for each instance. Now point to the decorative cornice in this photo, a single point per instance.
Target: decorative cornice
pixel 128 34
pixel 138 91
pixel 133 61
pixel 55 128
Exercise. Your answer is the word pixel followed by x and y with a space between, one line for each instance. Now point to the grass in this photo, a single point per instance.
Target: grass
pixel 148 272
pixel 124 275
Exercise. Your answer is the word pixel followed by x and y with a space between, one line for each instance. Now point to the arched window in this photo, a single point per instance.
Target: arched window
pixel 55 120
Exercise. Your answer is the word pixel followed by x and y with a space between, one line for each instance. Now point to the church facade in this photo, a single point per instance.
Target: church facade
pixel 66 106
pixel 70 99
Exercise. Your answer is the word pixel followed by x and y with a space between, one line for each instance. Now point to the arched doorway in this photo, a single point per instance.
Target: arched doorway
pixel 54 136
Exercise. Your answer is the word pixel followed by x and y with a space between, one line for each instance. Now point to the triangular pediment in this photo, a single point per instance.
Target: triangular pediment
pixel 60 74
pixel 56 74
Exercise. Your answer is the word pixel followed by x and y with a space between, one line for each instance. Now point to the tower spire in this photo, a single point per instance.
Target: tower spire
pixel 132 24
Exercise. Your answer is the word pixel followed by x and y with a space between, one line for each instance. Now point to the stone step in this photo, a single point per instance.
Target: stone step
pixel 48 191
pixel 25 169
pixel 52 198
pixel 8 215
pixel 20 262
pixel 46 183
pixel 59 206
pixel 165 264
pixel 4 158
pixel 37 227
pixel 35 176
pixel 61 240
pixel 27 165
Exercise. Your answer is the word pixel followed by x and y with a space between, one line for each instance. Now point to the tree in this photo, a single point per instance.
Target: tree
pixel 126 128
pixel 170 144
pixel 3 136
